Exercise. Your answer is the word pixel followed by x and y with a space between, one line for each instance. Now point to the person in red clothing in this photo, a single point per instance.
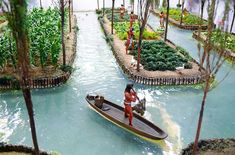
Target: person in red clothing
pixel 130 96
pixel 130 39
pixel 132 18
pixel 162 17
pixel 122 11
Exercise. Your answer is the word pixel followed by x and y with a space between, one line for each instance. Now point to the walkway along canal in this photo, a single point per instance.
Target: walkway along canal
pixel 66 124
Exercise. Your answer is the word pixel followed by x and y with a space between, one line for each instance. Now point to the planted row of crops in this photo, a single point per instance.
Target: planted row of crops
pixel 157 55
pixel 220 38
pixel 188 19
pixel 121 29
pixel 44 28
pixel 116 15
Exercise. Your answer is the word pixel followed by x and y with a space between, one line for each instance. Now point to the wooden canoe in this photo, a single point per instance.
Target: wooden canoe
pixel 115 113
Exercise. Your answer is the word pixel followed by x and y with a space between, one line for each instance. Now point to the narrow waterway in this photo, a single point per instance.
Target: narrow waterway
pixel 66 124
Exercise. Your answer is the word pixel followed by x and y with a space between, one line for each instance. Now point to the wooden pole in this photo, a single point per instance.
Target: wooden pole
pixel 231 29
pixel 70 27
pixel 167 20
pixel 112 15
pixel 41 4
pixel 98 5
pixel 103 7
pixel 182 11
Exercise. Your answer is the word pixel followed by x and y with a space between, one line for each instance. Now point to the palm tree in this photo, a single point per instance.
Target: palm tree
pixel 167 19
pixel 212 63
pixel 16 15
pixel 142 20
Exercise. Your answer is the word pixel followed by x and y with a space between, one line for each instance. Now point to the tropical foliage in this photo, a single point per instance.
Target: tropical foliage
pixel 188 18
pixel 157 55
pixel 44 36
pixel 122 28
pixel 218 38
pixel 116 15
pixel 7 49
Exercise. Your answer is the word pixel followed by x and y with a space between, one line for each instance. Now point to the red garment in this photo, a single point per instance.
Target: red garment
pixel 129 113
pixel 132 19
pixel 129 97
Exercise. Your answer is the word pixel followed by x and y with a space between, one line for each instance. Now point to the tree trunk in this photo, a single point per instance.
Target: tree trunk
pixel 231 29
pixel 133 6
pixel 23 64
pixel 167 20
pixel 72 7
pixel 103 7
pixel 62 30
pixel 70 26
pixel 147 5
pixel 20 33
pixel 41 4
pixel 207 49
pixel 98 4
pixel 202 9
pixel 112 15
pixel 182 11
pixel 195 146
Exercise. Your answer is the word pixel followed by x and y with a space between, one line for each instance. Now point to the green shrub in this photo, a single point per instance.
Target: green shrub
pixel 188 66
pixel 156 55
pixel 66 68
pixel 98 11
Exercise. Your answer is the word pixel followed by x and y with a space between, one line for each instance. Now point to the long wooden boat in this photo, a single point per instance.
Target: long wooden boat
pixel 115 113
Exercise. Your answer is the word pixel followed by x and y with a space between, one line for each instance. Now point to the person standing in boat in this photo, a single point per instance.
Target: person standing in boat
pixel 130 96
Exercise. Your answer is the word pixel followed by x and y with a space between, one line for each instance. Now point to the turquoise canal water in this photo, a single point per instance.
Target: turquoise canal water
pixel 66 124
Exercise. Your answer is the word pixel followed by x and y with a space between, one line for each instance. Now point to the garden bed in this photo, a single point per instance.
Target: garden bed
pixel 190 22
pixel 212 147
pixel 230 43
pixel 121 29
pixel 8 149
pixel 50 75
pixel 178 77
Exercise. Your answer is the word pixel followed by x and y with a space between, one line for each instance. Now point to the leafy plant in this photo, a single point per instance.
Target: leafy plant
pixel 44 38
pixel 188 19
pixel 218 39
pixel 122 28
pixel 157 55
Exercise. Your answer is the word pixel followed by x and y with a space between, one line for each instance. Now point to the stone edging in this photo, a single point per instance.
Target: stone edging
pixel 183 26
pixel 18 148
pixel 45 82
pixel 181 80
pixel 228 53
pixel 210 144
